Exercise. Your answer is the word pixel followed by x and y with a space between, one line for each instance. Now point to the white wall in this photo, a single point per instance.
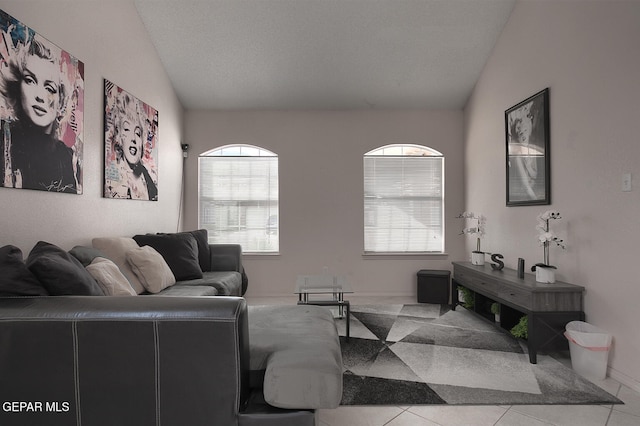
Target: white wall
pixel 321 190
pixel 108 36
pixel 587 54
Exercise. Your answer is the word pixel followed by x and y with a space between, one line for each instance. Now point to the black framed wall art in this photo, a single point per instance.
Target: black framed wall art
pixel 131 146
pixel 527 147
pixel 41 112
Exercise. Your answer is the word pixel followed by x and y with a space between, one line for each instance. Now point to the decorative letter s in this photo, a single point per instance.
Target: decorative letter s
pixel 496 258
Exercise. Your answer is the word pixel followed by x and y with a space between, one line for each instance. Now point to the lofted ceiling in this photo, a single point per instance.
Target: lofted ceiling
pixel 324 54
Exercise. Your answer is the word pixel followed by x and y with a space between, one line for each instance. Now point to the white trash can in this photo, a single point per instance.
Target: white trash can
pixel 589 348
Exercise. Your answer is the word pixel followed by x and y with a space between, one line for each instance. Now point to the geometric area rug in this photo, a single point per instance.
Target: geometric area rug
pixel 420 354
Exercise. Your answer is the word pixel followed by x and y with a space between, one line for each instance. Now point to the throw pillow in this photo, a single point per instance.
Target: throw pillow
pixel 180 251
pixel 151 268
pixel 61 273
pixel 116 249
pixel 15 278
pixel 202 240
pixel 85 255
pixel 110 278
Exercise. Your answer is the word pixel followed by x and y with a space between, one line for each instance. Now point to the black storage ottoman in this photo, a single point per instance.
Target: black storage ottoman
pixel 434 286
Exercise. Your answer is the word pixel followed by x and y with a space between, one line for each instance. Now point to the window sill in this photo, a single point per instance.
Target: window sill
pixel 260 254
pixel 404 255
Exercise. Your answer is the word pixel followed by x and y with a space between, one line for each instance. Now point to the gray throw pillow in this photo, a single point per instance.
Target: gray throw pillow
pixel 61 273
pixel 86 255
pixel 202 240
pixel 15 278
pixel 180 251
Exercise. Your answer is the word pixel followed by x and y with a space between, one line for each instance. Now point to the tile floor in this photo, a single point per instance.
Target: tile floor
pixel 489 415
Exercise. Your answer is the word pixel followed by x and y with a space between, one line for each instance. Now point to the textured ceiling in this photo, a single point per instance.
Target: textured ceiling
pixel 324 54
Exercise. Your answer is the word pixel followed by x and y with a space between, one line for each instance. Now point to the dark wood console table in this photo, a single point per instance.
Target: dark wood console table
pixel 548 307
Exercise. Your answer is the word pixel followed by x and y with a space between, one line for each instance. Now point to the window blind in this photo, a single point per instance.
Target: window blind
pixel 403 204
pixel 239 201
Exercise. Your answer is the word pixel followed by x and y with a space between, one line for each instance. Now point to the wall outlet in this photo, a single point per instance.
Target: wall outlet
pixel 626 182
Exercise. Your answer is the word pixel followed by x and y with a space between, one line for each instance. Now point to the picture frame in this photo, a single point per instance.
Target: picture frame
pixel 528 177
pixel 41 112
pixel 130 146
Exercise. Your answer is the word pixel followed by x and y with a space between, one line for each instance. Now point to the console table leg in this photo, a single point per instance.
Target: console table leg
pixel 347 304
pixel 532 344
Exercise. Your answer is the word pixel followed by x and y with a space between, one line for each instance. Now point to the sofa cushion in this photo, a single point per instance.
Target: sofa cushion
pixel 298 349
pixel 224 257
pixel 180 251
pixel 150 268
pixel 202 241
pixel 61 273
pixel 110 278
pixel 227 283
pixel 188 290
pixel 15 278
pixel 115 248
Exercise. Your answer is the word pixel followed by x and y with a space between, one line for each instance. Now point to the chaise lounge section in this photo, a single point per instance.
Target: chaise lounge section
pixel 295 356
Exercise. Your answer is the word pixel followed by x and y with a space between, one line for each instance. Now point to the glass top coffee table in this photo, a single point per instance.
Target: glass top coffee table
pixel 324 290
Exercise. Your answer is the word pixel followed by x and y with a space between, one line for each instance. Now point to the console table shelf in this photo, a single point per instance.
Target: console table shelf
pixel 548 307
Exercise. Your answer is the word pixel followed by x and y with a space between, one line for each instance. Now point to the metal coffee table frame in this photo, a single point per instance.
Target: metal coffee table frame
pixel 325 284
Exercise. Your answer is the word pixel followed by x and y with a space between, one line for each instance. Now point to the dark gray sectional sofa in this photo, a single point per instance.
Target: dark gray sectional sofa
pixel 70 359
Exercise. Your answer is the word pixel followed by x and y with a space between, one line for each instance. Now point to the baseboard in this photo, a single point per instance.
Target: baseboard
pixel 624 379
pixel 271 295
pixel 355 295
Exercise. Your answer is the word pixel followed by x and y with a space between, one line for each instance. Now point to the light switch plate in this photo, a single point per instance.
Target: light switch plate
pixel 626 182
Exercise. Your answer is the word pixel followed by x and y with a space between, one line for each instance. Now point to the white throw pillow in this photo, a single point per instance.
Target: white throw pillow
pixel 116 249
pixel 150 268
pixel 110 278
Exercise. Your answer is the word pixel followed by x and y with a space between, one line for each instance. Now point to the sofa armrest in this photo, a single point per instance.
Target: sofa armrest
pixel 226 257
pixel 124 360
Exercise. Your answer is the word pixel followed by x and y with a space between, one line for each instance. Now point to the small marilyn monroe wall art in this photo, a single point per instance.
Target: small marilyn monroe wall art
pixel 131 146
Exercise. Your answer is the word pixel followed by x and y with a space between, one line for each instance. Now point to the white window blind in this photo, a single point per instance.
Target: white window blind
pixel 403 200
pixel 239 197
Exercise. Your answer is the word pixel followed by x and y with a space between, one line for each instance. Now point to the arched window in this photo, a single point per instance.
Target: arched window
pixel 238 197
pixel 403 200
